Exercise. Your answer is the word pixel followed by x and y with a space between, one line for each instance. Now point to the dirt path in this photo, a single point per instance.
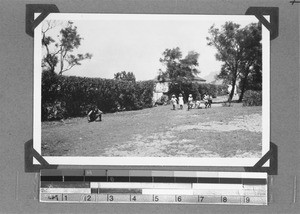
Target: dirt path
pixel 160 132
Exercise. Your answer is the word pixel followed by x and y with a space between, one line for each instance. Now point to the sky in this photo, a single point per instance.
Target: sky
pixel 135 43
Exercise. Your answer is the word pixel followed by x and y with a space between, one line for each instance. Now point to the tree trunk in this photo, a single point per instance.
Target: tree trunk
pixel 244 83
pixel 61 61
pixel 235 75
pixel 52 68
pixel 232 90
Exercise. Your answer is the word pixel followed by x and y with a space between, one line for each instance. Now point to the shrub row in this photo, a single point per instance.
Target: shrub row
pixel 69 96
pixel 252 98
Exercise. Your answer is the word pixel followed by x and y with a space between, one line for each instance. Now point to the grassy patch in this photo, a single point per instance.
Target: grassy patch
pixel 159 132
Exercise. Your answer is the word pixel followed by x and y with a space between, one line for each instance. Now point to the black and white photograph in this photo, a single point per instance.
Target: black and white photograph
pixel 149 89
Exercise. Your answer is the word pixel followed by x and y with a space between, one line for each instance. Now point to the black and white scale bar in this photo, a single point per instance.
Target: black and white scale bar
pixel 152 176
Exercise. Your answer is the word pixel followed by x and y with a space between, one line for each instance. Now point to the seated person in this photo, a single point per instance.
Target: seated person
pixel 94 114
pixel 197 105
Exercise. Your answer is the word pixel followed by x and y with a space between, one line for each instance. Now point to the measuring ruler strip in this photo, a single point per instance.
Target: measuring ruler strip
pixel 166 190
pixel 122 195
pixel 119 186
pixel 140 198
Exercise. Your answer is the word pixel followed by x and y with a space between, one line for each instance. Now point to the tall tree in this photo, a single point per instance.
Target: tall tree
pixel 251 65
pixel 239 49
pixel 125 76
pixel 60 52
pixel 178 68
pixel 188 65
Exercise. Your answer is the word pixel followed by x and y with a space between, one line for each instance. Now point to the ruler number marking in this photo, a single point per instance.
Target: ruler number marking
pixel 110 197
pixel 247 199
pixel 87 198
pixel 200 199
pixel 133 198
pixel 223 199
pixel 155 198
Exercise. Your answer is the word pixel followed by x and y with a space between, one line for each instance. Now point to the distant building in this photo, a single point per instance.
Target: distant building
pixel 199 80
pixel 160 88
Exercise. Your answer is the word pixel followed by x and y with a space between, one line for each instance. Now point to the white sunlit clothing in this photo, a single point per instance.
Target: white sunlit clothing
pixel 180 100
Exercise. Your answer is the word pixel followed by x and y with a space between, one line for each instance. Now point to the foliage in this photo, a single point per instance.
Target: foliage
pixel 162 100
pixel 50 87
pixel 185 88
pixel 53 111
pixel 251 67
pixel 221 90
pixel 178 69
pixel 59 52
pixel 252 98
pixel 254 80
pixel 240 50
pixel 77 94
pixel 126 76
pixel 145 93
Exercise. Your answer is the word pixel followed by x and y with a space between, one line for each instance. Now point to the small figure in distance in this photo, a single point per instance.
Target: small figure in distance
pixel 197 105
pixel 207 100
pixel 174 101
pixel 94 114
pixel 180 100
pixel 190 102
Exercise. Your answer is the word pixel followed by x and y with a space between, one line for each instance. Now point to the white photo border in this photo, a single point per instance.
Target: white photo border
pixel 147 161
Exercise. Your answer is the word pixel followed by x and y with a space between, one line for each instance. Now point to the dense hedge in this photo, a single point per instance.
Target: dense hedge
pixel 69 96
pixel 197 90
pixel 252 98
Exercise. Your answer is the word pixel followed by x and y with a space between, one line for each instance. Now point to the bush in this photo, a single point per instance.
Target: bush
pixel 144 93
pixel 162 100
pixel 211 89
pixel 252 98
pixel 53 111
pixel 75 95
pixel 50 87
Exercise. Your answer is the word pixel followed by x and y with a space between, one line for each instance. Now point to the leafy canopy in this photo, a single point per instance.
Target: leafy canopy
pixel 60 52
pixel 240 50
pixel 178 68
pixel 125 76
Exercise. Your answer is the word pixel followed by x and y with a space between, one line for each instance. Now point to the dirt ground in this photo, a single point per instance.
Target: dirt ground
pixel 160 132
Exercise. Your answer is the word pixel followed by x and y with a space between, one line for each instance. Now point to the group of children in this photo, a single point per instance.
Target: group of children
pixel 191 104
pixel 96 113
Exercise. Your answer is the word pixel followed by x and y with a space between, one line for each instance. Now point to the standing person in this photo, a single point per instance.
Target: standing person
pixel 209 100
pixel 174 101
pixel 205 99
pixel 190 101
pixel 180 100
pixel 94 114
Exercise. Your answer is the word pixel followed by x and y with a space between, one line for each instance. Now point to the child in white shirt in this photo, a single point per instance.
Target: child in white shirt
pixel 174 101
pixel 190 101
pixel 180 100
